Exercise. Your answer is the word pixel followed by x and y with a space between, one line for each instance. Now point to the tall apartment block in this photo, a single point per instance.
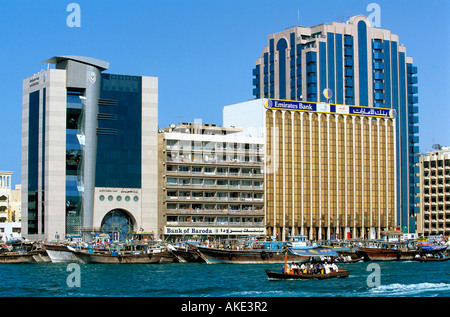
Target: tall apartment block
pixel 435 193
pixel 356 64
pixel 212 182
pixel 89 163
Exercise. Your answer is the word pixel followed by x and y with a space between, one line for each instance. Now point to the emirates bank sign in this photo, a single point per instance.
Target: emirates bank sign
pixel 329 108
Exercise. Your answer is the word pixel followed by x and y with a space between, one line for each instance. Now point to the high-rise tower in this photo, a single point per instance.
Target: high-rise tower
pixel 360 65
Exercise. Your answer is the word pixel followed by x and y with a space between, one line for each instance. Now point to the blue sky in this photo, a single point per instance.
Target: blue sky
pixel 202 51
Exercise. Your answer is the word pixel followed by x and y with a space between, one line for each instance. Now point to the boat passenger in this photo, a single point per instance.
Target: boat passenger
pixel 303 268
pixel 294 268
pixel 335 267
pixel 327 268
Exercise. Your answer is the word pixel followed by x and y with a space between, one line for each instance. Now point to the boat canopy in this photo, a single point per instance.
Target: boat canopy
pixel 322 251
pixel 431 247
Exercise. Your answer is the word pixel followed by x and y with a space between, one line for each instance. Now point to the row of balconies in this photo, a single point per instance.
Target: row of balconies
pixel 434 211
pixel 440 220
pixel 216 160
pixel 221 199
pixel 240 212
pixel 434 203
pixel 211 183
pixel 434 193
pixel 434 168
pixel 215 223
pixel 434 184
pixel 437 230
pixel 225 174
pixel 229 149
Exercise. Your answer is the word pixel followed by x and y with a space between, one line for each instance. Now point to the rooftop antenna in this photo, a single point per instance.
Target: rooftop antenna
pixel 298 17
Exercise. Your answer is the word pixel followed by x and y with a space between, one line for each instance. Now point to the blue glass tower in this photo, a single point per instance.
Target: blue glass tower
pixel 362 66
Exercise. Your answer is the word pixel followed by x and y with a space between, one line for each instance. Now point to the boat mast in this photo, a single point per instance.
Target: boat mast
pixel 285 260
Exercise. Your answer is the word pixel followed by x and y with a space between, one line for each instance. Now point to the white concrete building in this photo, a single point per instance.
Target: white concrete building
pixel 89 150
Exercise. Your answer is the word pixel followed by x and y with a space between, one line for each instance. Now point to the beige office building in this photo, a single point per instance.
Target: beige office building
pixel 434 218
pixel 211 181
pixel 329 169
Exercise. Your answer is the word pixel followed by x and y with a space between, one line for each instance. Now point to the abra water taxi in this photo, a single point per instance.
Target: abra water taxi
pixel 429 252
pixel 325 271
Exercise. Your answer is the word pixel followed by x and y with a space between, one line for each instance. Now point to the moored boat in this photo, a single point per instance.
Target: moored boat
pixel 147 254
pixel 61 253
pixel 16 257
pixel 269 253
pixel 18 251
pixel 348 251
pixel 389 249
pixel 106 257
pixel 186 253
pixel 386 253
pixel 40 255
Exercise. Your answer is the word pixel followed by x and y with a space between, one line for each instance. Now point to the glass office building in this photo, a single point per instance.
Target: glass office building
pixel 89 164
pixel 357 65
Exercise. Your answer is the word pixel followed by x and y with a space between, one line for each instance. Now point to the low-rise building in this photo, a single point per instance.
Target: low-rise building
pixel 211 181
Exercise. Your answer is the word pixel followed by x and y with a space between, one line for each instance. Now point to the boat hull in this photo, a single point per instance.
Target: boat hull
pixel 41 256
pixel 284 276
pixel 187 255
pixel 16 258
pixel 432 259
pixel 376 254
pixel 107 258
pixel 60 253
pixel 218 255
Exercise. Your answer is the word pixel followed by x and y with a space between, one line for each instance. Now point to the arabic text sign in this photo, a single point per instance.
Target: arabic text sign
pixel 214 231
pixel 330 108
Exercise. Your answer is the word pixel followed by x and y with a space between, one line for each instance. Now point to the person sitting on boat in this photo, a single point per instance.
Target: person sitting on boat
pixel 319 268
pixel 287 269
pixel 334 267
pixel 303 268
pixel 327 268
pixel 292 267
pixel 295 268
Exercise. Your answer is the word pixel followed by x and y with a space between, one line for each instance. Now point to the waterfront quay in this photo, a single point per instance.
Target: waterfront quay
pixel 238 251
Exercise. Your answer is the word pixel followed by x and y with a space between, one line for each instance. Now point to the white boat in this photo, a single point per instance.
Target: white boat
pixel 61 253
pixel 299 242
